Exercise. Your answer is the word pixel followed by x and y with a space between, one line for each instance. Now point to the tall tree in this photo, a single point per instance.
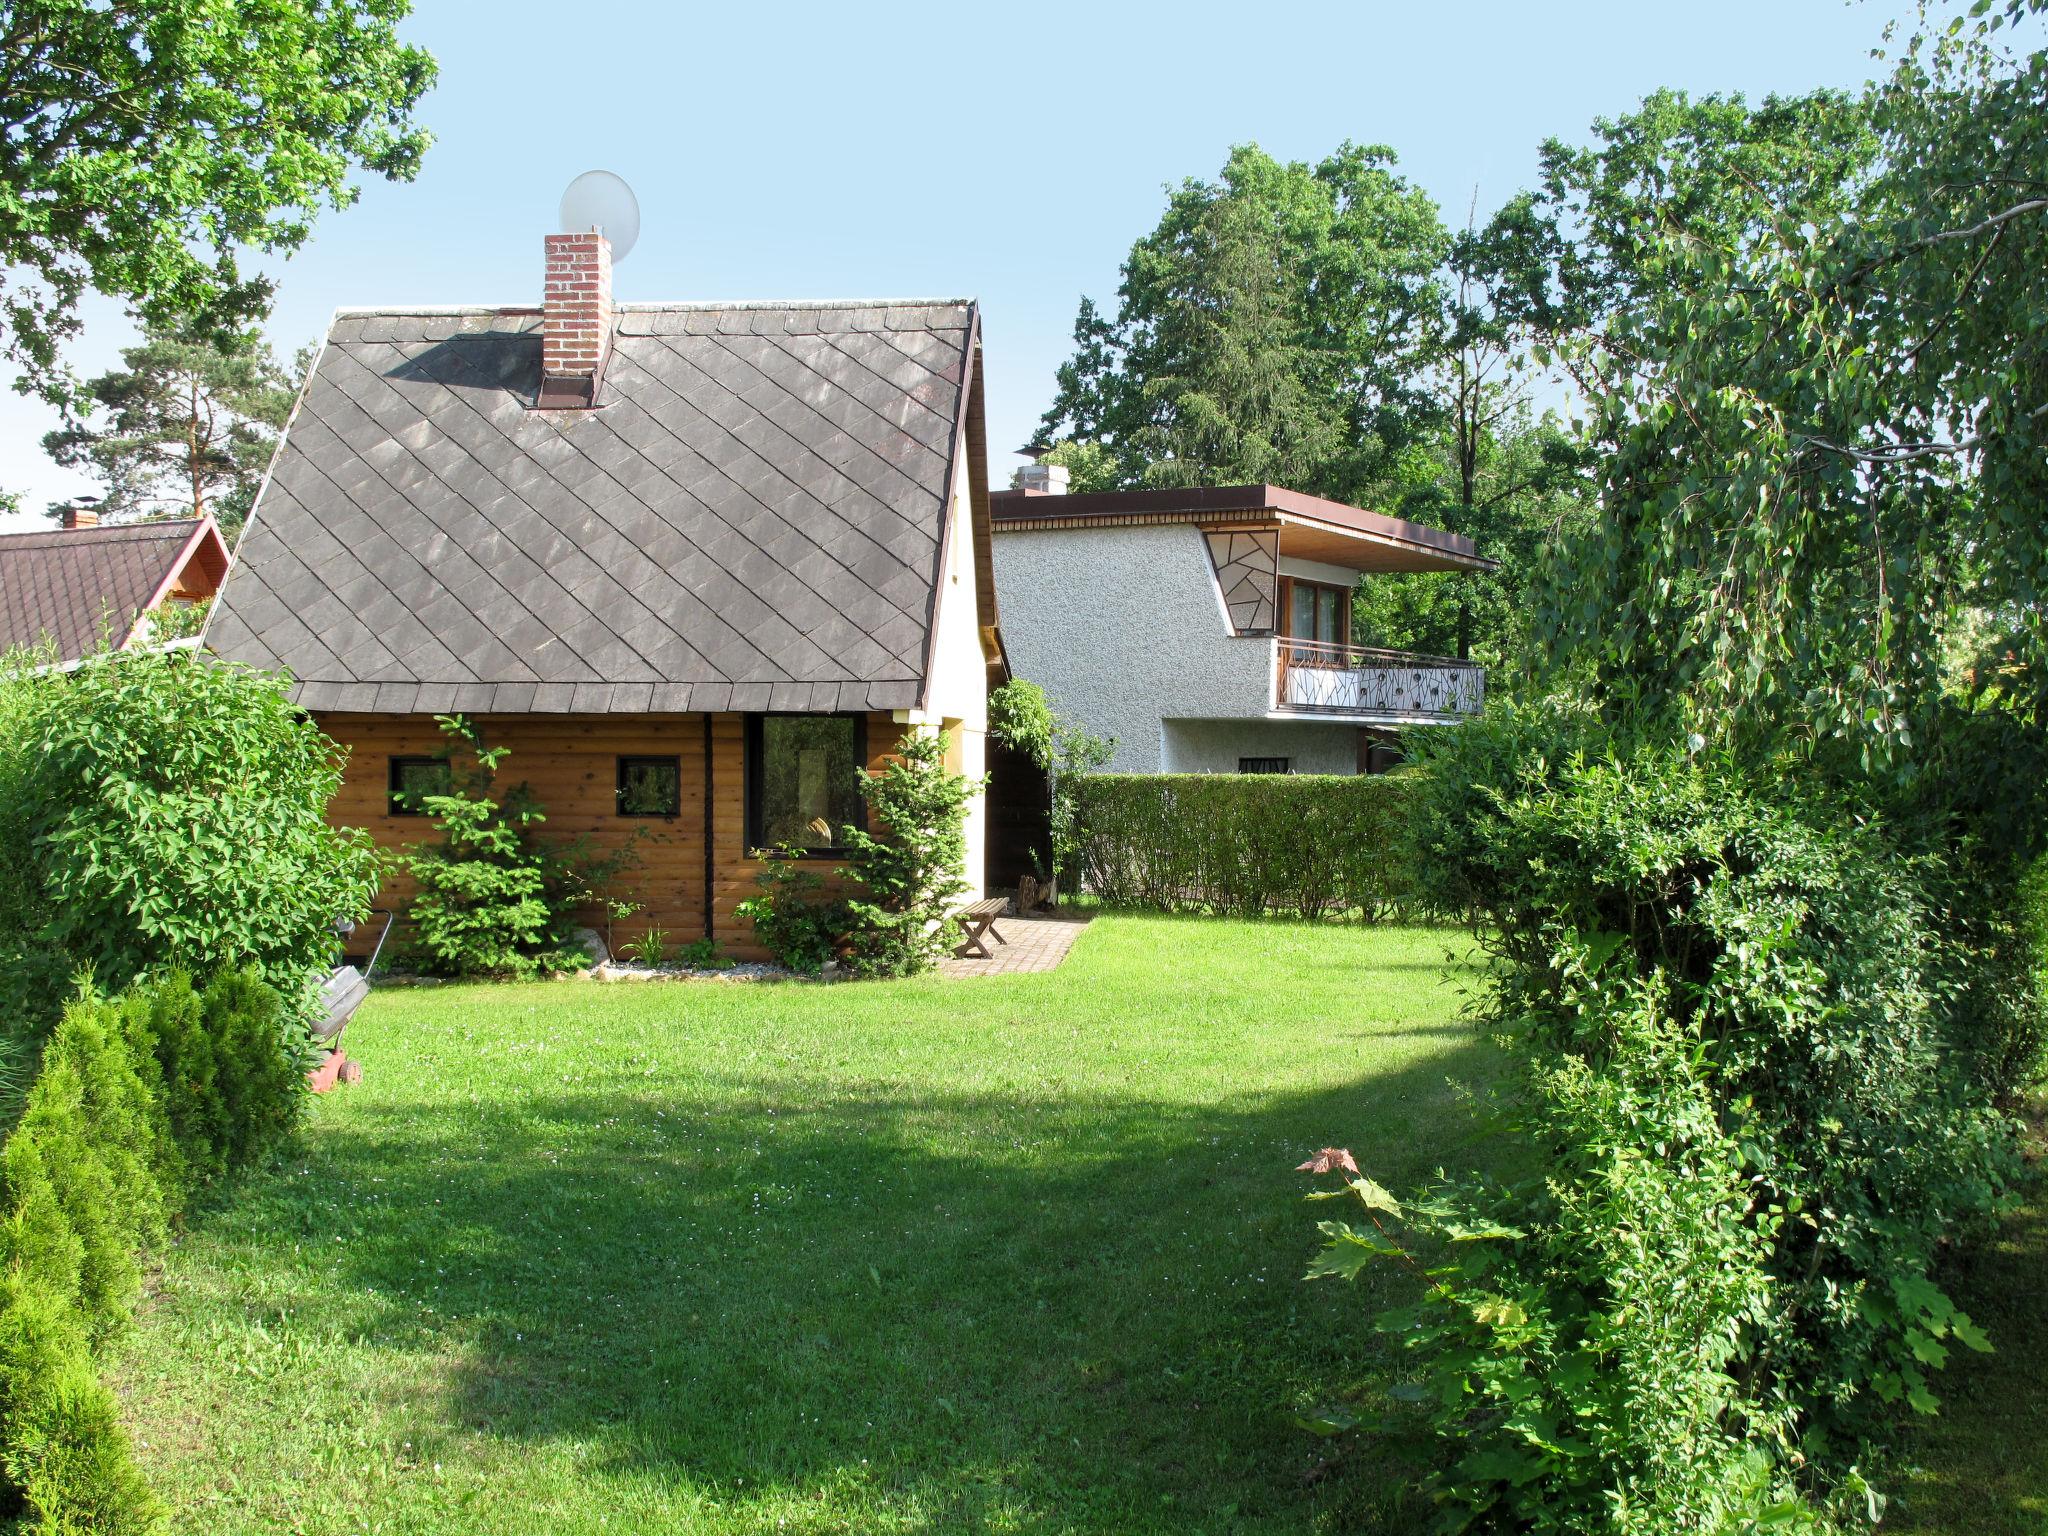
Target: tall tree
pixel 183 428
pixel 145 144
pixel 1276 326
pixel 1829 424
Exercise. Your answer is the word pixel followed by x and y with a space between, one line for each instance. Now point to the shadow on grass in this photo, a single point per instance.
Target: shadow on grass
pixel 1081 1312
pixel 1981 1466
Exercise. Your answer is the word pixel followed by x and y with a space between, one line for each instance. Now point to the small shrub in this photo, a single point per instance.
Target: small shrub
pixel 910 870
pixel 897 920
pixel 794 920
pixel 703 955
pixel 488 896
pixel 651 948
pixel 1245 844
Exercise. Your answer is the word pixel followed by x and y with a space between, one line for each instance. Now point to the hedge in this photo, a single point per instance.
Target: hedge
pixel 138 1101
pixel 1312 846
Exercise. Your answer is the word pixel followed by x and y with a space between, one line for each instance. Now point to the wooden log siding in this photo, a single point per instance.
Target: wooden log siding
pixel 571 761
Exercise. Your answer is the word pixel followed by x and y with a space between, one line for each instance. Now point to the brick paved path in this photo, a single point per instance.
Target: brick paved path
pixel 1037 943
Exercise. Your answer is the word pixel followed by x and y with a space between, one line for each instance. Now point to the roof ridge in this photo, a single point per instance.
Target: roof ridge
pixel 146 525
pixel 666 306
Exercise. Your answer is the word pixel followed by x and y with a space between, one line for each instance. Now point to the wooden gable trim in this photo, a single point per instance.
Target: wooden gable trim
pixel 969 440
pixel 206 546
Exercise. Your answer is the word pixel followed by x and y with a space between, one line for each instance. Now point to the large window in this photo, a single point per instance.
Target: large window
pixel 1319 613
pixel 412 780
pixel 802 783
pixel 650 786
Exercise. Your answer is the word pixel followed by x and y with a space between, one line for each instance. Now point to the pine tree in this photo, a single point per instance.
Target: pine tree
pixel 183 428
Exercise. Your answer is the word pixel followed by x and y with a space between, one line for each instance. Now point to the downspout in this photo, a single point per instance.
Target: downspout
pixel 710 918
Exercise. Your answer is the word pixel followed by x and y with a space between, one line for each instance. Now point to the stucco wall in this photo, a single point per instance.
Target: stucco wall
pixel 1214 746
pixel 958 696
pixel 1124 629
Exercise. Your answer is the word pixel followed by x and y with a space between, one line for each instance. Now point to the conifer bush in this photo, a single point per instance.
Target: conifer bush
pixel 139 1100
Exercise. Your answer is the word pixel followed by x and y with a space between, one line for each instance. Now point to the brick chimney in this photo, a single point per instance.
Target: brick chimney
pixel 576 320
pixel 76 516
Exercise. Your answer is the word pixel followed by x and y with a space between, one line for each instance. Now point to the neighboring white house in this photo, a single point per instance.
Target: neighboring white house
pixel 1208 630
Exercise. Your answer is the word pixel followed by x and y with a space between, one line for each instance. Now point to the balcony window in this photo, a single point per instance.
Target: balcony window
pixel 1319 613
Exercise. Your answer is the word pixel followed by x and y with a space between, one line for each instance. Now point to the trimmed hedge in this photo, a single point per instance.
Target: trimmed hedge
pixel 139 1099
pixel 1308 845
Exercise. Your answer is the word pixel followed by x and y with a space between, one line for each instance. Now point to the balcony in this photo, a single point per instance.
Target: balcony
pixel 1312 677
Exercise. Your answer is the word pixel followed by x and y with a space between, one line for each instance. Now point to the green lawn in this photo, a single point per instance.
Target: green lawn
pixel 1014 1254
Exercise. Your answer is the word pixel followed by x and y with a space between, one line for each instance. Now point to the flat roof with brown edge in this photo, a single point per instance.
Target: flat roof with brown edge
pixel 1311 528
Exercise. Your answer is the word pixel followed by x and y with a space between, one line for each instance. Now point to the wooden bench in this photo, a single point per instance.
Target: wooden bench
pixel 980 921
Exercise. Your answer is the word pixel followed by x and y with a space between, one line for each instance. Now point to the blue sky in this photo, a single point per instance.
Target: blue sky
pixel 1010 153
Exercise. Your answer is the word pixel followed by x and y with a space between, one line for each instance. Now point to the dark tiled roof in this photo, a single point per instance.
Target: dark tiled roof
pixel 71 586
pixel 751 519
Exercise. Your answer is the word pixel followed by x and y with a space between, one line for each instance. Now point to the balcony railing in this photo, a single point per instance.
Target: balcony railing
pixel 1313 677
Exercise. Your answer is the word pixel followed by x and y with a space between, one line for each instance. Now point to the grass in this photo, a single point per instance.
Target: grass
pixel 1981 1465
pixel 1017 1254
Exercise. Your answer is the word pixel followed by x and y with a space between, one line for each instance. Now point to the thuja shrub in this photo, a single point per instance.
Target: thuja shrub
pixel 1755 1124
pixel 1244 844
pixel 119 1127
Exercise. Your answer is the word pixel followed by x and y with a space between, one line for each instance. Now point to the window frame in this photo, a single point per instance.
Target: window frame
pixel 756 748
pixel 628 760
pixel 1297 587
pixel 397 761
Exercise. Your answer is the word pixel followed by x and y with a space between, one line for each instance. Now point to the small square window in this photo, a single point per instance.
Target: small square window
pixel 413 779
pixel 1265 765
pixel 650 786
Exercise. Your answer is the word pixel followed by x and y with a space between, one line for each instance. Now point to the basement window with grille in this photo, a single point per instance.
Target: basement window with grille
pixel 1265 765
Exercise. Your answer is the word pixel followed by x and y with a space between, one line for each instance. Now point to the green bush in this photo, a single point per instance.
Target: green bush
pixel 910 871
pixel 490 895
pixel 1245 844
pixel 793 919
pixel 164 809
pixel 119 1126
pixel 1737 1023
pixel 907 874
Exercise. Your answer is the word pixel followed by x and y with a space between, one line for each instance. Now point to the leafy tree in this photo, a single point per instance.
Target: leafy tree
pixel 184 427
pixel 1828 430
pixel 144 146
pixel 1562 259
pixel 1274 327
pixel 1513 485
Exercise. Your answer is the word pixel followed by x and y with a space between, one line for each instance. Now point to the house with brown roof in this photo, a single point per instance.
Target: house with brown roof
pixel 692 564
pixel 86 585
pixel 1208 630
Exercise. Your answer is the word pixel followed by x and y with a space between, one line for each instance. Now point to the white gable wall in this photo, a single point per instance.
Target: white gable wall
pixel 1125 630
pixel 957 700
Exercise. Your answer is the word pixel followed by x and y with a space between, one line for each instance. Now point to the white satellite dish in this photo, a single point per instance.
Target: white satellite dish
pixel 602 201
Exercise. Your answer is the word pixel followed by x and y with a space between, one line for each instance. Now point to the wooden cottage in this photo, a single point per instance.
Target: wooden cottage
pixel 692 564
